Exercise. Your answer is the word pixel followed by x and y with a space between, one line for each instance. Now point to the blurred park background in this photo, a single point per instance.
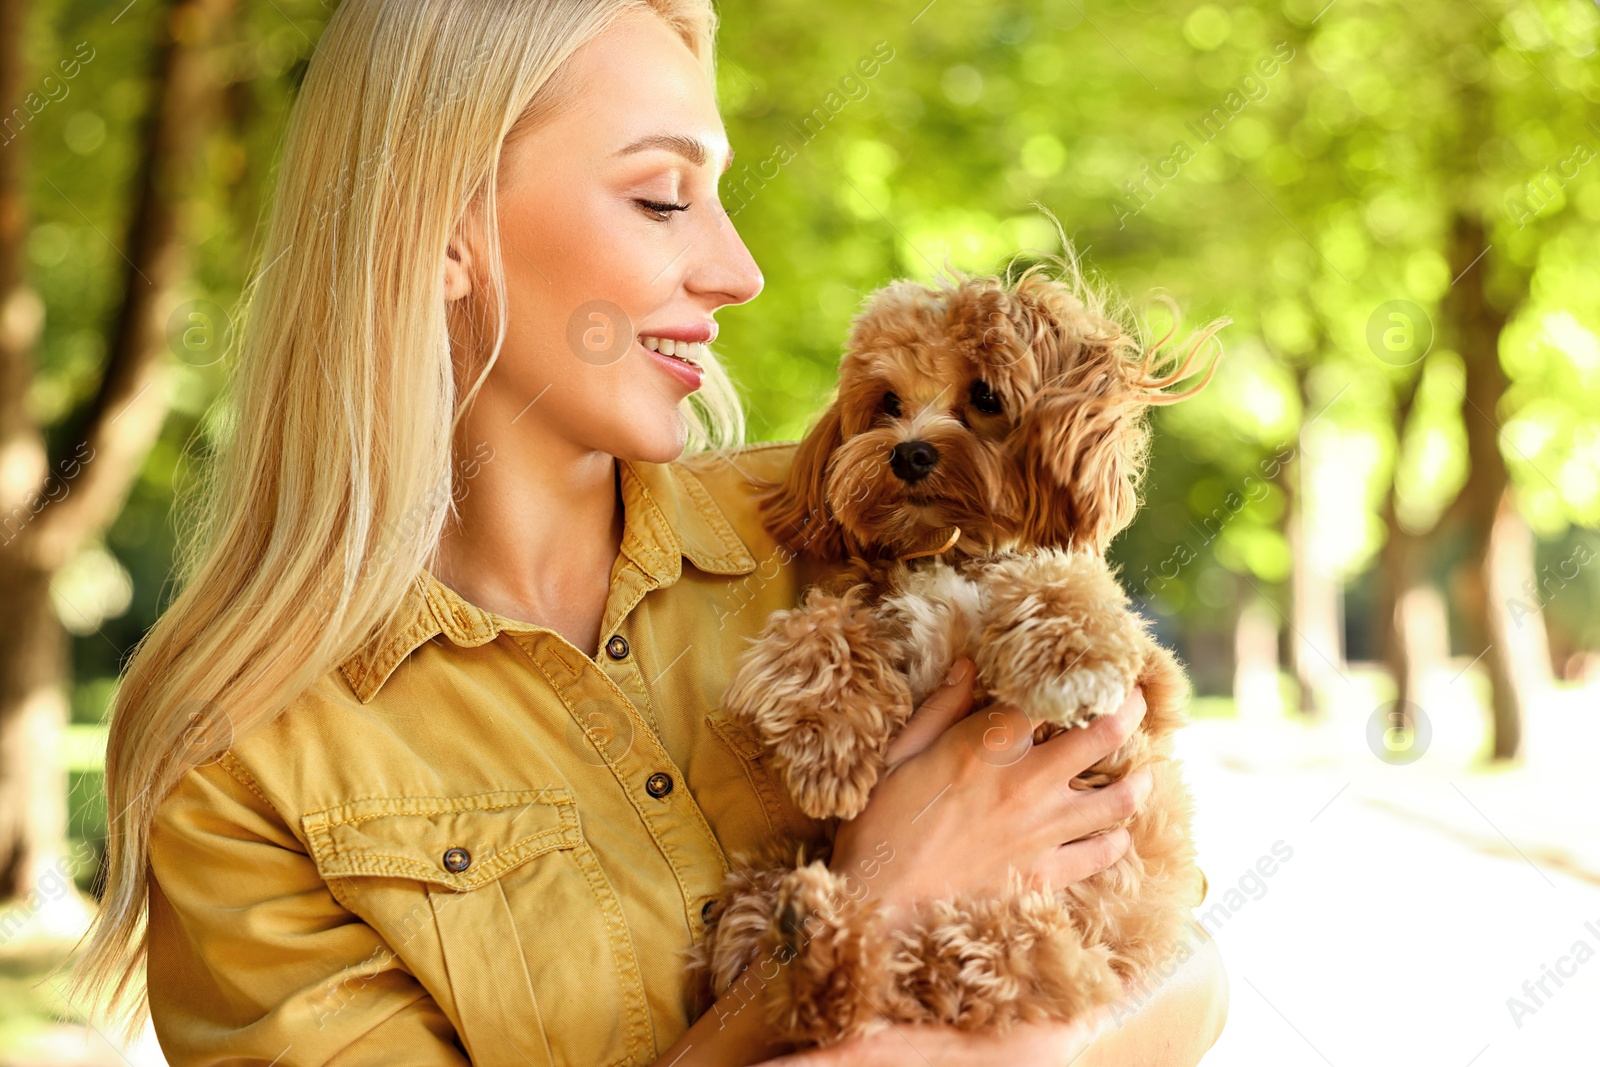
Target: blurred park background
pixel 1373 538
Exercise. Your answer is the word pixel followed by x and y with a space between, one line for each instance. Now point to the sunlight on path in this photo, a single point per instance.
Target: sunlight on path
pixel 1416 900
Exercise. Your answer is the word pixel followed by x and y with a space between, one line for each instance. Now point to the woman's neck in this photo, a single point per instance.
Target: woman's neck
pixel 540 524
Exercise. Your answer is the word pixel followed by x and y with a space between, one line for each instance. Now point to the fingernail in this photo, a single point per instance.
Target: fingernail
pixel 958 673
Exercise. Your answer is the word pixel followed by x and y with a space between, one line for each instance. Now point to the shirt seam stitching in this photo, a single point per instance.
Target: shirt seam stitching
pixel 237 772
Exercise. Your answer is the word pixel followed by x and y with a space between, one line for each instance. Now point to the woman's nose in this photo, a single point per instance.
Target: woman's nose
pixel 725 268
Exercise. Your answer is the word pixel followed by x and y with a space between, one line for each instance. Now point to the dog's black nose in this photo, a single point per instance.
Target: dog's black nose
pixel 912 460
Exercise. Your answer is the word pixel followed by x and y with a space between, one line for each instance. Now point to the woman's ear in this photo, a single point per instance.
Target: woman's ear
pixel 796 511
pixel 460 255
pixel 1083 455
pixel 457 269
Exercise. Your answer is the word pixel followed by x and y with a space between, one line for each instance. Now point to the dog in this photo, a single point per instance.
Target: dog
pixel 986 443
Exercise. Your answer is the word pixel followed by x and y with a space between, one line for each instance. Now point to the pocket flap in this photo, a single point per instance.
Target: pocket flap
pixel 740 735
pixel 485 835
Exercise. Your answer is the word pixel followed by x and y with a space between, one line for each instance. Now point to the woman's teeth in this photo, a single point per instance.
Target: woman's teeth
pixel 690 352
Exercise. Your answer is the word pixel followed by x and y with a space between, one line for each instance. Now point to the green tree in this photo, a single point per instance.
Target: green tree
pixel 64 488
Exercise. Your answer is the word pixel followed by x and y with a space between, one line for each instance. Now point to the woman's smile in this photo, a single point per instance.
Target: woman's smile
pixel 680 350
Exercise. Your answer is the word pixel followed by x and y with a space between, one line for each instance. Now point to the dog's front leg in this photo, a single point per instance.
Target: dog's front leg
pixel 1059 641
pixel 824 687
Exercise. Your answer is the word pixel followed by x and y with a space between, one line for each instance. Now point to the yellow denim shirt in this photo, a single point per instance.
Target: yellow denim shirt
pixel 475 841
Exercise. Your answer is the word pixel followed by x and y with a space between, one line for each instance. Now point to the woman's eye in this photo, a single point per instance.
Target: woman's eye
pixel 984 400
pixel 660 210
pixel 890 405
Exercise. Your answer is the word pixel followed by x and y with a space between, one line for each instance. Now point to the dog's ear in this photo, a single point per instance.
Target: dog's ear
pixel 1083 438
pixel 796 511
pixel 1082 452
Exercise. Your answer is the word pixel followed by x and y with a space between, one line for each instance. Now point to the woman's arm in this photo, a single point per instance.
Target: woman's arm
pixel 252 960
pixel 1172 1024
pixel 734 1032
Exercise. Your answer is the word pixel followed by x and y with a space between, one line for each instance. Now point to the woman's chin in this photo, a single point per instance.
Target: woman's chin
pixel 660 440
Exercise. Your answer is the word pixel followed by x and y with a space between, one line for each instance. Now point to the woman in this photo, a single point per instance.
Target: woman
pixel 424 762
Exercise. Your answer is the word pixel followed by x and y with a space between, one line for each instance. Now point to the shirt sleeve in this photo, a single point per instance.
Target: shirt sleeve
pixel 253 961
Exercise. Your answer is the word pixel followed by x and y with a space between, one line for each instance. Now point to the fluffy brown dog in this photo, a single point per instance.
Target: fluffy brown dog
pixel 985 445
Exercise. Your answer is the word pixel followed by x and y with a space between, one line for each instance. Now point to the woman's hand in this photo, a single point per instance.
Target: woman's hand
pixel 967 797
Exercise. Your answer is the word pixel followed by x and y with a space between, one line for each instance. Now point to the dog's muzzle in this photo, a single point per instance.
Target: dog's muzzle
pixel 912 461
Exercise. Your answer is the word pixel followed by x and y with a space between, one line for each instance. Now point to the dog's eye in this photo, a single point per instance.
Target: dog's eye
pixel 890 405
pixel 983 398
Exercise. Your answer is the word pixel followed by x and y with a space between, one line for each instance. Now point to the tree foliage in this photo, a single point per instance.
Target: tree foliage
pixel 1306 168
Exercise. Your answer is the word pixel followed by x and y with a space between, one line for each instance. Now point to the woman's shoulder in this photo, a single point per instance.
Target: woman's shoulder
pixel 325 725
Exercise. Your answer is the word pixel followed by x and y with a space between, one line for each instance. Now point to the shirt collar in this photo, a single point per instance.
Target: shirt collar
pixel 667 515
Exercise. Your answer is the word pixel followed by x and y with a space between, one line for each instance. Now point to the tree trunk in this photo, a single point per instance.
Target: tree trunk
pixel 1315 641
pixel 24 663
pixel 1256 696
pixel 1497 538
pixel 1398 573
pixel 1398 563
pixel 33 791
pixel 63 503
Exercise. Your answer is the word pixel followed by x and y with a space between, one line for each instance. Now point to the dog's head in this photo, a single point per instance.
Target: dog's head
pixel 1013 412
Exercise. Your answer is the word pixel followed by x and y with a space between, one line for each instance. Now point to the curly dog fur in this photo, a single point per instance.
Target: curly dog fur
pixel 985 445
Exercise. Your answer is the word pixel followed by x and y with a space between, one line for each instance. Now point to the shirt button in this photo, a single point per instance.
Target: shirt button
pixel 617 647
pixel 457 859
pixel 658 785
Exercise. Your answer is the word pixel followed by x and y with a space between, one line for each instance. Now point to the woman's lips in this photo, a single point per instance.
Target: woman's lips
pixel 687 373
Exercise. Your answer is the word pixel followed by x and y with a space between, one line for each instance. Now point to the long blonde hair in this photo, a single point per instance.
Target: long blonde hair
pixel 335 478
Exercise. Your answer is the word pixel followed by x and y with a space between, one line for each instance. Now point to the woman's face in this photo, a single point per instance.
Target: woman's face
pixel 612 234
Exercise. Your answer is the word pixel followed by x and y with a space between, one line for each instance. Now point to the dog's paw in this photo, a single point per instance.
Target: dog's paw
pixel 827 779
pixel 1079 696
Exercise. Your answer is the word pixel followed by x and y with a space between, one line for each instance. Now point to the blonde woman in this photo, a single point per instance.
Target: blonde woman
pixel 423 765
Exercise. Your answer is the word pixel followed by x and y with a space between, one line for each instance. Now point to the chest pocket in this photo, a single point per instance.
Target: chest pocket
pixel 785 820
pixel 500 895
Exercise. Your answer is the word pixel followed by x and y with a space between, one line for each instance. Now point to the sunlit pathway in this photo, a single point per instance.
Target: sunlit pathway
pixel 1415 903
pixel 77 1046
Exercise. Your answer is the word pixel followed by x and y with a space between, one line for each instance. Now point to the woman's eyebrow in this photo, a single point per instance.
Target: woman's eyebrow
pixel 695 151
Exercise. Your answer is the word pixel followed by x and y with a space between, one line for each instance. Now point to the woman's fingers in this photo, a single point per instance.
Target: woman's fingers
pixel 936 714
pixel 1069 754
pixel 1089 811
pixel 1007 805
pixel 1071 863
